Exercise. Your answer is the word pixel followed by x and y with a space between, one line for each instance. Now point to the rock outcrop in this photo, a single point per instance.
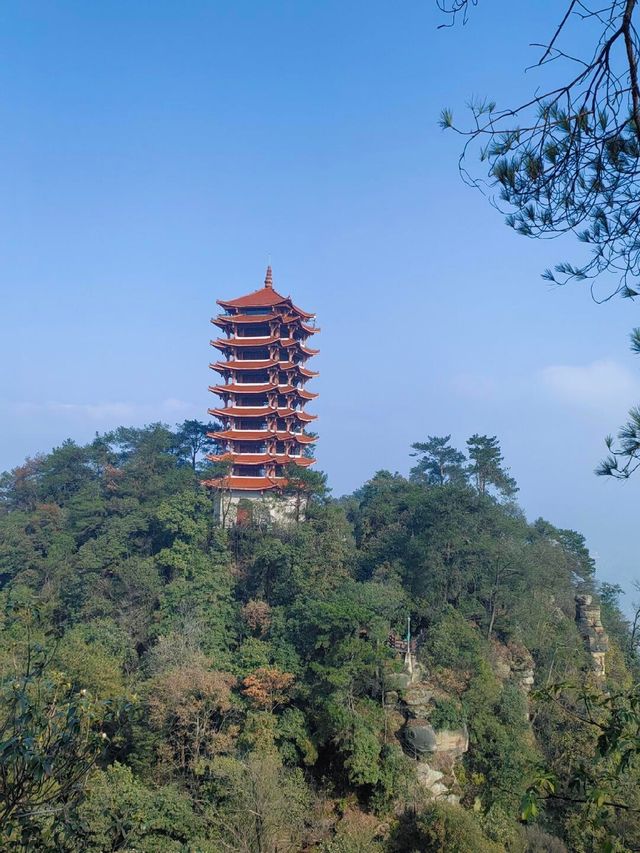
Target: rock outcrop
pixel 417 699
pixel 422 739
pixel 513 661
pixel 435 751
pixel 593 634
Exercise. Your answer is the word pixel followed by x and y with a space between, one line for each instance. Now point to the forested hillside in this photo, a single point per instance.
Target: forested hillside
pixel 169 685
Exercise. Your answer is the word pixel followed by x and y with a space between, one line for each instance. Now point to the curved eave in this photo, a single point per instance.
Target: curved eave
pixel 246 484
pixel 224 320
pixel 260 435
pixel 234 412
pixel 264 297
pixel 295 318
pixel 306 314
pixel 247 366
pixel 306 395
pixel 253 343
pixel 308 351
pixel 221 366
pixel 240 389
pixel 258 343
pixel 261 459
pixel 261 389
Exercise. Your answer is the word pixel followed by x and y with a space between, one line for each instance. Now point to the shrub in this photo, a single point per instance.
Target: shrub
pixel 447 714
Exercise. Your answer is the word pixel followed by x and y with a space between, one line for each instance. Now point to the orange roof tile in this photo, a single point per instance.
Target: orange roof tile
pixel 232 388
pixel 224 320
pixel 239 412
pixel 249 484
pixel 263 297
pixel 245 364
pixel 241 388
pixel 260 435
pixel 255 343
pixel 261 458
pixel 230 319
pixel 260 343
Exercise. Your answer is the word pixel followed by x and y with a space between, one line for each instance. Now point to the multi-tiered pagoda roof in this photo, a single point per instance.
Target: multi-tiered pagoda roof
pixel 264 373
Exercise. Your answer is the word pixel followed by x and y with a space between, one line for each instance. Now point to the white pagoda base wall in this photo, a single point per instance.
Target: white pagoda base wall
pixel 265 508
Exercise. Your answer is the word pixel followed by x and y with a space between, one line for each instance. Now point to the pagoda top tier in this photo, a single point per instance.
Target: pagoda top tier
pixel 265 297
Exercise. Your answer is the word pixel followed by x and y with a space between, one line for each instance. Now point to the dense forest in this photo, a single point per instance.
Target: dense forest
pixel 171 685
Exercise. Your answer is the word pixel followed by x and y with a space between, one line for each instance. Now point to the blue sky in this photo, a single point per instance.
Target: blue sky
pixel 155 155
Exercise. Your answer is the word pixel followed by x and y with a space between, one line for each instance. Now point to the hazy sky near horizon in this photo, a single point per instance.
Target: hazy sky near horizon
pixel 155 155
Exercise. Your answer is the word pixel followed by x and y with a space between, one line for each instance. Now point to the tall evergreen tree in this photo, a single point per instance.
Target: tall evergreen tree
pixel 486 466
pixel 438 462
pixel 192 440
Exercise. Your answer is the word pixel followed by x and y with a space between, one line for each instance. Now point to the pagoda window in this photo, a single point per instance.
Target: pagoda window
pixel 253 354
pixel 249 447
pixel 254 401
pixel 261 330
pixel 246 423
pixel 257 310
pixel 248 470
pixel 283 379
pixel 254 377
pixel 280 447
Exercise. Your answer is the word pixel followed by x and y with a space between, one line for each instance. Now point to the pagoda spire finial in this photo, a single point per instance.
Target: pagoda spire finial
pixel 268 279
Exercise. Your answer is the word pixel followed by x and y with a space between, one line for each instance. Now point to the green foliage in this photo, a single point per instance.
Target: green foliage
pixel 438 462
pixel 192 441
pixel 486 466
pixel 51 735
pixel 447 714
pixel 356 735
pixel 121 813
pixel 441 828
pixel 453 642
pixel 260 805
pixel 294 740
pixel 241 677
pixel 355 834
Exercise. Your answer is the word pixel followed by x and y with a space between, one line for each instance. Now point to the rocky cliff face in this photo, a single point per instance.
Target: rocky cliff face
pixel 415 698
pixel 513 661
pixel 593 634
pixel 435 750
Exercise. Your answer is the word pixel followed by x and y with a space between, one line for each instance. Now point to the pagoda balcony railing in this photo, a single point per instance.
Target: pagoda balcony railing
pixel 241 453
pixel 265 406
pixel 259 473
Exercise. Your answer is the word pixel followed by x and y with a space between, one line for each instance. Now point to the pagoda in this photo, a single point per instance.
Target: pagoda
pixel 262 363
